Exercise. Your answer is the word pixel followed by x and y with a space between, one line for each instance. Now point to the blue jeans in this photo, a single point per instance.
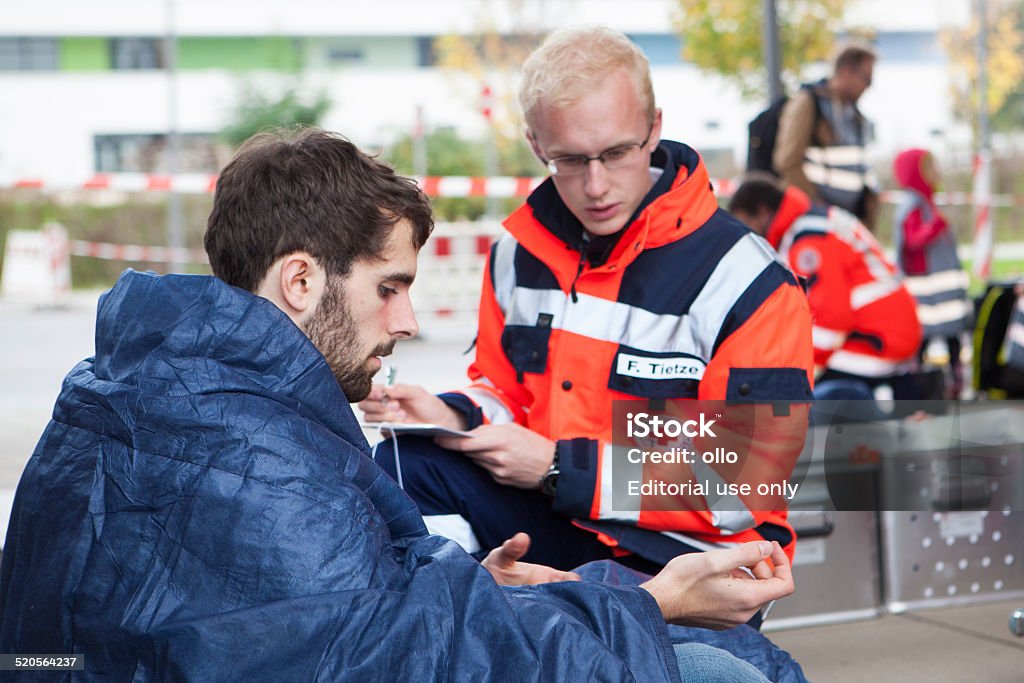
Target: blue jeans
pixel 699 663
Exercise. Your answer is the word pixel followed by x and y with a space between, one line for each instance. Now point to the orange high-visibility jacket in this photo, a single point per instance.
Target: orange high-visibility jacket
pixel 685 284
pixel 865 320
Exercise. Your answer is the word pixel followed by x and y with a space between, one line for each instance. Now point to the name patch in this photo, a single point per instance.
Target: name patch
pixel 643 367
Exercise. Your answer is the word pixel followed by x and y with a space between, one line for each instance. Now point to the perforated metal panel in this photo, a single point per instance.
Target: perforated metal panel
pixel 968 543
pixel 946 558
pixel 836 570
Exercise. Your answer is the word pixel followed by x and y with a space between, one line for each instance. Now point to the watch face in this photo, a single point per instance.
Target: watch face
pixel 550 483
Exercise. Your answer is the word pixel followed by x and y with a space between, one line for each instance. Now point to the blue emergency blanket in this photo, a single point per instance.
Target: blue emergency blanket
pixel 203 507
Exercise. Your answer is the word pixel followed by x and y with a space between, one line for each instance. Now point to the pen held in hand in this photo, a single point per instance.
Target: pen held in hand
pixel 390 373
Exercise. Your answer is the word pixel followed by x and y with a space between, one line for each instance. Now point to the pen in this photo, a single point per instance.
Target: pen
pixel 390 372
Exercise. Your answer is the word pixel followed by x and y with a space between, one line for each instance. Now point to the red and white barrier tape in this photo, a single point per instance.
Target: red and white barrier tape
pixel 474 239
pixel 135 252
pixel 433 186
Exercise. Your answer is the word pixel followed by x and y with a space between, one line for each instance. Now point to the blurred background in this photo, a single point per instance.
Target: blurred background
pixel 169 88
pixel 116 116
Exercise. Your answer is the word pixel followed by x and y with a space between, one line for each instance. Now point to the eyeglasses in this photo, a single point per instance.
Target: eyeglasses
pixel 616 157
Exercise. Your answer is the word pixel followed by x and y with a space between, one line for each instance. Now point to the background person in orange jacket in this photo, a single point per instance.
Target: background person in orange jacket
pixel 620 262
pixel 865 323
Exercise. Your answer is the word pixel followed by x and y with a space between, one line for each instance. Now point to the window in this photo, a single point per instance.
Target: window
pixel 147 153
pixel 28 54
pixel 342 55
pixel 136 53
pixel 425 51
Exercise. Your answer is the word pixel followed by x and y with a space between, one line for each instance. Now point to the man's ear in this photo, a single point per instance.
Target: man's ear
pixel 295 283
pixel 652 142
pixel 533 144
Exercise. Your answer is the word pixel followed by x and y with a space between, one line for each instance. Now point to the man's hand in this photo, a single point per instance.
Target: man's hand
pixel 513 454
pixel 504 565
pixel 711 590
pixel 409 403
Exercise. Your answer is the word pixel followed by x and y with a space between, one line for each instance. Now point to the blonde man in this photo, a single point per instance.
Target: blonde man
pixel 620 261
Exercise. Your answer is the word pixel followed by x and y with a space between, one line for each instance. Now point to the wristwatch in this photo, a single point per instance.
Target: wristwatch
pixel 549 482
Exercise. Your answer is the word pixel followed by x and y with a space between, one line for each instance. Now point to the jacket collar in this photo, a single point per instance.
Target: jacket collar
pixel 795 203
pixel 149 323
pixel 679 202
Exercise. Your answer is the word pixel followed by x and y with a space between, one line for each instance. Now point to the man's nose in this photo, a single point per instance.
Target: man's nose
pixel 402 323
pixel 595 179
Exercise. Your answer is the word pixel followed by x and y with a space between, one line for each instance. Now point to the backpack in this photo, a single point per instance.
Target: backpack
pixel 991 373
pixel 763 130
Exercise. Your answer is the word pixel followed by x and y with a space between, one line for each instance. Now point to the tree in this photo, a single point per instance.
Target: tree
pixel 256 110
pixel 724 37
pixel 493 58
pixel 1005 66
pixel 448 154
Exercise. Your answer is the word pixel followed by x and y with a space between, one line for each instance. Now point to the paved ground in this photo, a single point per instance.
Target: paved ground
pixel 970 644
pixel 953 645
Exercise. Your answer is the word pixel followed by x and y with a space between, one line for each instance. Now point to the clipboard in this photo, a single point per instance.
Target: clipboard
pixel 415 428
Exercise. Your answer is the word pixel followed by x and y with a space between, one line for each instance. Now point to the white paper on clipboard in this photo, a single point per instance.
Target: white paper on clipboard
pixel 415 428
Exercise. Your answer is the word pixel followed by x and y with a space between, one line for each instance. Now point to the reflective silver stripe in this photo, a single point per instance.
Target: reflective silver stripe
pixel 733 521
pixel 728 513
pixel 838 178
pixel 848 227
pixel 878 268
pixel 869 293
pixel 838 155
pixel 698 544
pixel 605 506
pixel 735 272
pixel 1015 334
pixel 504 271
pixel 861 364
pixel 619 323
pixel 494 410
pixel 825 338
pixel 1013 344
pixel 937 283
pixel 807 223
pixel 527 303
pixel 945 312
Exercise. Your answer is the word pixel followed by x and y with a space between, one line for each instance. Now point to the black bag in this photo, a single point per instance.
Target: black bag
pixel 992 317
pixel 764 128
pixel 761 144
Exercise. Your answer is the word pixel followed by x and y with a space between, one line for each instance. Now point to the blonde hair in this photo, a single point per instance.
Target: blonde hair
pixel 572 61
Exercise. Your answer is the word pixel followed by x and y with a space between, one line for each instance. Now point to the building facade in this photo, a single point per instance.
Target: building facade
pixel 86 87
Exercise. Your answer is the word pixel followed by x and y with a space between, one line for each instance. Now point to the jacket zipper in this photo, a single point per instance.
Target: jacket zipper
pixel 579 271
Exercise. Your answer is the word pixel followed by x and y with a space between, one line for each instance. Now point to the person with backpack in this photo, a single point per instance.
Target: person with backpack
pixel 820 143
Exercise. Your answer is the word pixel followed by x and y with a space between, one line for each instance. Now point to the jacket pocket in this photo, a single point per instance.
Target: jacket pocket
pixel 526 347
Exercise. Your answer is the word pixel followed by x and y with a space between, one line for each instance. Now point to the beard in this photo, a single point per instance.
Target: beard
pixel 334 333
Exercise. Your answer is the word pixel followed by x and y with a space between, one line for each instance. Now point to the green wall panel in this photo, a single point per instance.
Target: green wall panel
pixel 239 53
pixel 84 54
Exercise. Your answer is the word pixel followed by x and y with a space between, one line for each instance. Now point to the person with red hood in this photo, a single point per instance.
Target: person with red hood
pixel 926 252
pixel 865 324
